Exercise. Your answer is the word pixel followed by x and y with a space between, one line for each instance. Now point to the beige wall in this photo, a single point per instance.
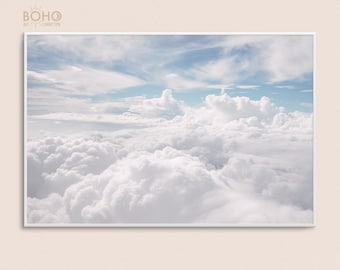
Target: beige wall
pixel 230 248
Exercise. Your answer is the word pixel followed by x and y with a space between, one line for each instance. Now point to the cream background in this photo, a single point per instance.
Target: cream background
pixel 165 248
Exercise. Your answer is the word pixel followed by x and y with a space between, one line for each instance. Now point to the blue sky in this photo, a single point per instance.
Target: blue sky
pixel 104 68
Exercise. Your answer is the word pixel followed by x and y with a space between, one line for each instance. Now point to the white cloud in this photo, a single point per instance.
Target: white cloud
pixel 306 104
pixel 280 57
pixel 285 57
pixel 46 100
pixel 307 91
pixel 233 160
pixel 48 210
pixel 90 48
pixel 134 110
pixel 285 86
pixel 55 163
pixel 36 77
pixel 178 83
pixel 164 107
pixel 236 41
pixel 289 58
pixel 84 80
pixel 228 108
pixel 222 70
pixel 247 86
pixel 76 68
pixel 221 86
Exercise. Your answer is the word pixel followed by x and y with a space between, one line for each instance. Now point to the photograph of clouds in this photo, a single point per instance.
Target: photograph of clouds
pixel 169 129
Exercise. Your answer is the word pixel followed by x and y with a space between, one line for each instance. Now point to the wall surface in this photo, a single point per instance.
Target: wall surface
pixel 166 248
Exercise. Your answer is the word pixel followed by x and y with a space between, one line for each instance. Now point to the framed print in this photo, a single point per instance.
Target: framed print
pixel 169 129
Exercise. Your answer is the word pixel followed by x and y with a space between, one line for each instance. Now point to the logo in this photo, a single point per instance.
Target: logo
pixel 37 16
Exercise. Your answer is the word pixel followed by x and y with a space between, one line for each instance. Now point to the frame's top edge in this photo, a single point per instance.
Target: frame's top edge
pixel 170 33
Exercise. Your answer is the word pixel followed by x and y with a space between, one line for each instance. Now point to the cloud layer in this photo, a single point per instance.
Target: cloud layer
pixel 229 161
pixel 179 62
pixel 84 80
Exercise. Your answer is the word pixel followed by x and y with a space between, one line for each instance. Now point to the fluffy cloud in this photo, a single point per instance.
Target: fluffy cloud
pixel 133 111
pixel 241 107
pixel 54 163
pixel 165 106
pixel 230 161
pixel 280 57
pixel 284 65
pixel 164 186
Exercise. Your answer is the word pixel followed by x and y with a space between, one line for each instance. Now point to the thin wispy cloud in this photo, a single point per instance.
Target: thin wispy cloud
pixel 307 91
pixel 285 86
pixel 84 80
pixel 248 86
pixel 225 59
pixel 306 104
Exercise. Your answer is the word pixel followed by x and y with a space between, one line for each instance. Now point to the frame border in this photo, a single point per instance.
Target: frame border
pixel 167 225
